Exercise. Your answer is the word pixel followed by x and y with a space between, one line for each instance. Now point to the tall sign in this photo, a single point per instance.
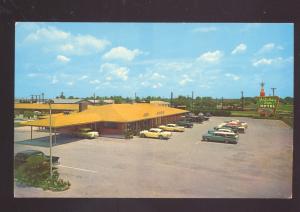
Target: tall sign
pixel 267 105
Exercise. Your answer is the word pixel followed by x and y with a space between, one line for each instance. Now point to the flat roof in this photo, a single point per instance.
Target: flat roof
pixel 121 113
pixel 37 106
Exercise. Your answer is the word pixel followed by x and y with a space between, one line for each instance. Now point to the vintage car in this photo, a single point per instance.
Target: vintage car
pixel 155 133
pixel 235 126
pixel 238 122
pixel 233 129
pixel 226 137
pixel 221 130
pixel 205 118
pixel 185 123
pixel 172 127
pixel 21 157
pixel 86 133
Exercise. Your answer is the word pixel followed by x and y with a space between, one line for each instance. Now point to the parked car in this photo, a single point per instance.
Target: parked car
pixel 208 114
pixel 205 118
pixel 194 118
pixel 234 126
pixel 21 157
pixel 238 122
pixel 225 137
pixel 185 123
pixel 86 133
pixel 172 127
pixel 221 130
pixel 155 133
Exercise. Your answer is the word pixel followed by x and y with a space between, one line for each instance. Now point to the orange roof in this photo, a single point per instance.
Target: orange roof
pixel 109 113
pixel 34 106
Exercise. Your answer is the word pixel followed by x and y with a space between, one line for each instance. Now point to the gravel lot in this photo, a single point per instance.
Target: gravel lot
pixel 259 166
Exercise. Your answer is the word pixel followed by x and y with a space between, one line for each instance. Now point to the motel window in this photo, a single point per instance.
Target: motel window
pixel 110 125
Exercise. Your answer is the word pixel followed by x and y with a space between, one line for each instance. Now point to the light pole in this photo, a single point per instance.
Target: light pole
pixel 50 136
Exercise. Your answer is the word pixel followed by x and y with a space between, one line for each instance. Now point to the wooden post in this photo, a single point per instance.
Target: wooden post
pixel 30 132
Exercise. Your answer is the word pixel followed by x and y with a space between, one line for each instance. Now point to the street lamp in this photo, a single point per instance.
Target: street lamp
pixel 50 136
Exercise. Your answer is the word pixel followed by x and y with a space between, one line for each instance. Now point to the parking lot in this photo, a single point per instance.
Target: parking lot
pixel 259 166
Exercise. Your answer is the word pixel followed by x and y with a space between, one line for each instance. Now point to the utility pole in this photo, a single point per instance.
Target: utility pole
pixel 273 90
pixel 222 102
pixel 171 98
pixel 94 98
pixel 242 100
pixel 43 100
pixel 192 100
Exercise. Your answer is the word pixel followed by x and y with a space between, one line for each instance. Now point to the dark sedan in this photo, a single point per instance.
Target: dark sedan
pixel 185 123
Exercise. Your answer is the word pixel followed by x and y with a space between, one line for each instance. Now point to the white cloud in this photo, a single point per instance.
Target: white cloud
pixel 48 33
pixel 269 47
pixel 211 57
pixel 86 42
pixel 54 80
pixel 116 70
pixel 157 76
pixel 121 53
pixel 239 49
pixel 185 80
pixel 157 85
pixel 94 81
pixel 70 83
pixel 66 42
pixel 63 59
pixel 67 47
pixel 122 72
pixel 232 76
pixel 271 61
pixel 83 77
pixel 205 29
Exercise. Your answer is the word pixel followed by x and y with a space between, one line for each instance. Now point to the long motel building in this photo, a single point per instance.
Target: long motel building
pixel 112 120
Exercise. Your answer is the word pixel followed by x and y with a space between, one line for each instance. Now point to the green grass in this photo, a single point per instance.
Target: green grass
pixel 17 124
pixel 244 113
pixel 285 108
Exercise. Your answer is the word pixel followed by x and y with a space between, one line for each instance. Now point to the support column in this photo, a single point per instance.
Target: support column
pixel 55 136
pixel 30 132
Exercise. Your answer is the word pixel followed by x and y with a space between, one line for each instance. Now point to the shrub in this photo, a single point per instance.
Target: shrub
pixel 35 172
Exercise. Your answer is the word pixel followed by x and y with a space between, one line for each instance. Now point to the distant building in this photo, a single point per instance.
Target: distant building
pixel 94 101
pixel 109 101
pixel 69 101
pixel 161 103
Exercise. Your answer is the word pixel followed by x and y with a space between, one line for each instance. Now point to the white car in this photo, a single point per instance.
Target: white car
pixel 155 133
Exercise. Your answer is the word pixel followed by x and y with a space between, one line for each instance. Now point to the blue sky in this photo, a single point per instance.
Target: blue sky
pixel 211 59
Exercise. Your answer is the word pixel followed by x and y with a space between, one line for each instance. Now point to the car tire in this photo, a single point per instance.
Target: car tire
pixel 142 135
pixel 160 137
